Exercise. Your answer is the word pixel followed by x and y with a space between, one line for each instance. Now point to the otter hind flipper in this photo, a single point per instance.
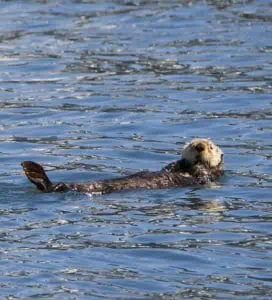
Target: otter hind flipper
pixel 36 174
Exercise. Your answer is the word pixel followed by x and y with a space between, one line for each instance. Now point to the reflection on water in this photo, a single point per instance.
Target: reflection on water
pixel 96 89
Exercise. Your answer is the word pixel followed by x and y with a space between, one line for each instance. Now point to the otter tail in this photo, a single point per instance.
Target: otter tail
pixel 36 174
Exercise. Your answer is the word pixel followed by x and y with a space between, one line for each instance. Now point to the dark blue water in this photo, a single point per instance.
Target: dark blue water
pixel 97 89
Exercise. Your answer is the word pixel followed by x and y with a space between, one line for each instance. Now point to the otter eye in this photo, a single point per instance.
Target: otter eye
pixel 211 147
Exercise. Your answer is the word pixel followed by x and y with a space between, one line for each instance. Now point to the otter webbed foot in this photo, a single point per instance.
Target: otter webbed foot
pixel 36 174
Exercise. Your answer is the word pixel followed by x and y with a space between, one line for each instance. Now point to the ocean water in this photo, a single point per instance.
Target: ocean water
pixel 98 89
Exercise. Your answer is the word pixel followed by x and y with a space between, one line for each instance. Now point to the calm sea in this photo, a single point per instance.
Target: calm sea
pixel 98 89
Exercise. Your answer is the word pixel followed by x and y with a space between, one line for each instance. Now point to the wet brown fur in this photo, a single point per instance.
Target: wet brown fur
pixel 202 163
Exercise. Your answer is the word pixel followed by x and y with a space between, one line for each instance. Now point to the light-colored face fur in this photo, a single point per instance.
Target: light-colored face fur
pixel 204 151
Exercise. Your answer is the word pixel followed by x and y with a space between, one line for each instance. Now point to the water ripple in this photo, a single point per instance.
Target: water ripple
pixel 96 89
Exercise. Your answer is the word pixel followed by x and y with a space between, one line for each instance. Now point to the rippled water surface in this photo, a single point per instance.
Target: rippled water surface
pixel 97 89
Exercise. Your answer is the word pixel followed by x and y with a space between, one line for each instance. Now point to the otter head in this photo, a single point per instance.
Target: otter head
pixel 204 152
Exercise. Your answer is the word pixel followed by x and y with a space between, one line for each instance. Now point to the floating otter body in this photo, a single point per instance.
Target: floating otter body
pixel 201 163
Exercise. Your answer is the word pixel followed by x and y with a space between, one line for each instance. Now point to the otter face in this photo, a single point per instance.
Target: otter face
pixel 203 151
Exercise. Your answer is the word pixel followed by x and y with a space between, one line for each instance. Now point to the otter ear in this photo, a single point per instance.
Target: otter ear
pixel 200 147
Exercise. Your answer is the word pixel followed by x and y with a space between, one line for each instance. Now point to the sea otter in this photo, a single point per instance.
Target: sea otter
pixel 201 163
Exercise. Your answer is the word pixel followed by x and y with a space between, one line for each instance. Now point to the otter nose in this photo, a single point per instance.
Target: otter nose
pixel 222 156
pixel 200 147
